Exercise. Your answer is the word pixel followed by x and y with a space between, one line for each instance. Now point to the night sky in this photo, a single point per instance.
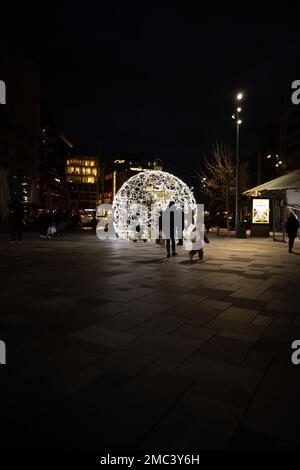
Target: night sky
pixel 143 77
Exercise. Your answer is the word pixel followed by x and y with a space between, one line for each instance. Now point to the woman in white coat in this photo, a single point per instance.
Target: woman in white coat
pixel 195 244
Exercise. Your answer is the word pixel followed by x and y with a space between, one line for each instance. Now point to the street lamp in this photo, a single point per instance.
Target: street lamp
pixel 277 159
pixel 237 118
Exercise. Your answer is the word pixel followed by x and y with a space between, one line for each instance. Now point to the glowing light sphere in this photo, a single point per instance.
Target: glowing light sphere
pixel 139 202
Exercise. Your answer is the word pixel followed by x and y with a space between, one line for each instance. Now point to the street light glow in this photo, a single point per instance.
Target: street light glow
pixel 239 122
pixel 239 110
pixel 240 96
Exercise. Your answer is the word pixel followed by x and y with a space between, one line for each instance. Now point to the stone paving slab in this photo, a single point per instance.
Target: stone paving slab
pixel 127 349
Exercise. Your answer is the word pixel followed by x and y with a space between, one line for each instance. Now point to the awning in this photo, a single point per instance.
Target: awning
pixel 288 181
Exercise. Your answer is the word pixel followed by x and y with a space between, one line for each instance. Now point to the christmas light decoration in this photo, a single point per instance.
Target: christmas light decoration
pixel 140 201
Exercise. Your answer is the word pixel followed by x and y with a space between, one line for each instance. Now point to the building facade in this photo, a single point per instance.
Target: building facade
pixel 115 173
pixel 82 179
pixel 20 124
pixel 279 151
pixel 289 131
pixel 55 149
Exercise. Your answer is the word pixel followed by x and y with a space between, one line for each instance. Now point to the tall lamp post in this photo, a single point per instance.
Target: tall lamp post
pixel 238 121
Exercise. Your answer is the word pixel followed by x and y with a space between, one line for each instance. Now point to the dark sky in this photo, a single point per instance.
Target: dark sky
pixel 130 77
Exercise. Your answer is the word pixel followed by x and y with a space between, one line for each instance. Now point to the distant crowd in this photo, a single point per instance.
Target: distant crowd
pixel 49 223
pixel 55 223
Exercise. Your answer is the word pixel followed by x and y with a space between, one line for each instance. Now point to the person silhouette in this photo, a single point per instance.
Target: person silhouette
pixel 291 227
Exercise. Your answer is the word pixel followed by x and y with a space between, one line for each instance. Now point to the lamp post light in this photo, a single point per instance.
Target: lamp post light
pixel 277 160
pixel 238 121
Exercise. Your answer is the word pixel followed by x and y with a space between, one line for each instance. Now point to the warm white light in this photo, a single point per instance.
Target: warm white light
pixel 239 110
pixel 240 96
pixel 239 122
pixel 269 156
pixel 134 200
pixel 233 116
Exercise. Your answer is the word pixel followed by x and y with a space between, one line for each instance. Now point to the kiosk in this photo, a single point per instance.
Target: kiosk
pixel 260 226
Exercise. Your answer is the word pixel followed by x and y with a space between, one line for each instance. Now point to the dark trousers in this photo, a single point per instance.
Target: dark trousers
pixel 168 243
pixel 291 242
pixel 200 253
pixel 16 232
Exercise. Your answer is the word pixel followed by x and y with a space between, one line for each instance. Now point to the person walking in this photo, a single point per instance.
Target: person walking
pixel 17 223
pixel 196 244
pixel 44 223
pixel 291 227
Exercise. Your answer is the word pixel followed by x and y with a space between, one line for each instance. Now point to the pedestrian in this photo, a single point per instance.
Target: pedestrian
pixel 291 227
pixel 180 241
pixel 170 239
pixel 48 223
pixel 59 223
pixel 207 223
pixel 138 235
pixel 41 222
pixel 219 220
pixel 196 244
pixel 17 223
pixel 76 222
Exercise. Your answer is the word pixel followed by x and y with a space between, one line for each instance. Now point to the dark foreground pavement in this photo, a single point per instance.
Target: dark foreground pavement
pixel 110 345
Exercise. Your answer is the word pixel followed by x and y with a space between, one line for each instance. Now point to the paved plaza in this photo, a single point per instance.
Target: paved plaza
pixel 112 346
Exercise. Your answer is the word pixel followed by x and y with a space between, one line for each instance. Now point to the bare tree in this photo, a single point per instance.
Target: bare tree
pixel 218 176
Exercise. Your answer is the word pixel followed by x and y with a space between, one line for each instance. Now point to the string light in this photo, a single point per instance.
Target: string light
pixel 140 200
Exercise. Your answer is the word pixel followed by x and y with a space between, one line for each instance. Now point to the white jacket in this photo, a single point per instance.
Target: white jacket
pixel 195 243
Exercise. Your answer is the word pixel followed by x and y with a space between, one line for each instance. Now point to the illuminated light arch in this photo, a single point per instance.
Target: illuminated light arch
pixel 133 204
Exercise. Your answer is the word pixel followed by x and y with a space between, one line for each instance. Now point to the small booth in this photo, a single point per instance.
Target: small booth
pixel 271 202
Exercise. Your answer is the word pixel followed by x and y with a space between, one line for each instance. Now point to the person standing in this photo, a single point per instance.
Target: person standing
pixel 59 223
pixel 291 227
pixel 17 223
pixel 170 240
pixel 41 222
pixel 76 222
